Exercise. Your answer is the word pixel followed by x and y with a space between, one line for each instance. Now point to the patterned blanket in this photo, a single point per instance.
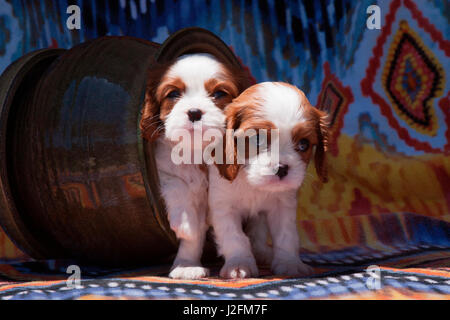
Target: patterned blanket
pixel 49 280
pixel 387 203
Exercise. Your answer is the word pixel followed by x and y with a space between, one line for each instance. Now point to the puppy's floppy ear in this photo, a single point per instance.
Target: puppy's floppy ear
pixel 322 125
pixel 150 120
pixel 229 168
pixel 242 78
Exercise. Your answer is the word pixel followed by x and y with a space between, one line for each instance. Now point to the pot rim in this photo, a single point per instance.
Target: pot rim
pixel 10 82
pixel 195 40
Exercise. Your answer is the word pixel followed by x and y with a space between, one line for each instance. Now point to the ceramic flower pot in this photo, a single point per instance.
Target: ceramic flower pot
pixel 74 180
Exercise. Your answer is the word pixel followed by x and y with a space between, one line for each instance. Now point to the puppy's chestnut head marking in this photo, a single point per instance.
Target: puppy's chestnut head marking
pixel 241 114
pixel 299 126
pixel 188 93
pixel 313 132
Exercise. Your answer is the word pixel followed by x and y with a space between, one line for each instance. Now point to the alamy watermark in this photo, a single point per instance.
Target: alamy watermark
pixel 235 147
pixel 374 20
pixel 74 20
pixel 74 280
pixel 373 282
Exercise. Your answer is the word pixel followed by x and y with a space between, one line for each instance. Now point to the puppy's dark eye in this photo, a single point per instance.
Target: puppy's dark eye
pixel 303 145
pixel 174 94
pixel 219 94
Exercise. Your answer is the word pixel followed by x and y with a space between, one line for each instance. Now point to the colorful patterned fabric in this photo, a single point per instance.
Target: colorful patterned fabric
pixel 48 281
pixel 387 201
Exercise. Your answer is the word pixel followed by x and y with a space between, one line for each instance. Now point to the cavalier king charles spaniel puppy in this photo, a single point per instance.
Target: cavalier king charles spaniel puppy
pixel 260 188
pixel 186 95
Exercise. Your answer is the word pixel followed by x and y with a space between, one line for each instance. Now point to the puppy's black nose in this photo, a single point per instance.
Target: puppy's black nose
pixel 282 171
pixel 194 114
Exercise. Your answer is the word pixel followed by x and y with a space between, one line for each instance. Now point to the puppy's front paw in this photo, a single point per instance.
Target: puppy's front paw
pixel 239 268
pixel 189 273
pixel 293 267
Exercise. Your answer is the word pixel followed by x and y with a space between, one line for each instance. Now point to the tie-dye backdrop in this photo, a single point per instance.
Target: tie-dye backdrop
pixel 387 90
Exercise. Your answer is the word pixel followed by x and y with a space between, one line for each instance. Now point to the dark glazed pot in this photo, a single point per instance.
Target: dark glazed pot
pixel 75 182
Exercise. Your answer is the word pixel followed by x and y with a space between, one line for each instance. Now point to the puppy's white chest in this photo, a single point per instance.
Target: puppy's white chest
pixel 239 194
pixel 191 175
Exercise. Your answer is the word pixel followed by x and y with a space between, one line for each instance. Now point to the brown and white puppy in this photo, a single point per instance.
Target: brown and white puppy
pixel 186 96
pixel 280 121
